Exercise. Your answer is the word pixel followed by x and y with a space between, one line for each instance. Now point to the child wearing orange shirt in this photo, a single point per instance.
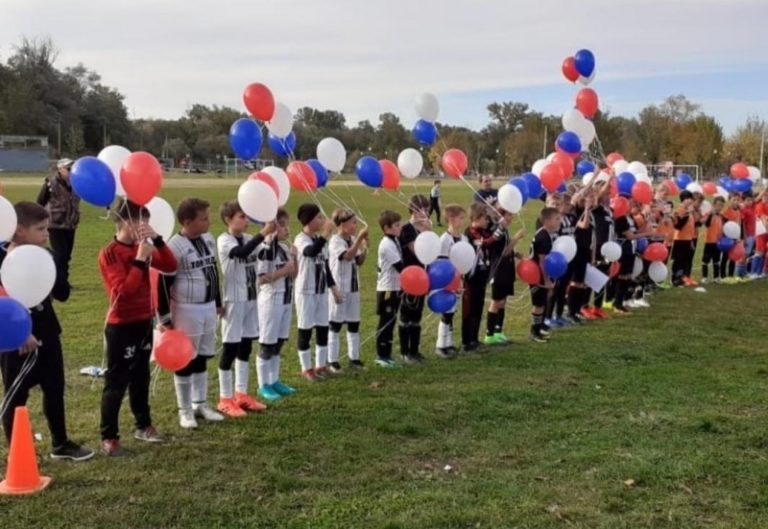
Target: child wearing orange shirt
pixel 731 213
pixel 761 241
pixel 684 220
pixel 713 221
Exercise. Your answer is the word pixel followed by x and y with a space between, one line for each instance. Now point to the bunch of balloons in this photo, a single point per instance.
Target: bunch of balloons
pixel 427 108
pixel 385 173
pixel 579 67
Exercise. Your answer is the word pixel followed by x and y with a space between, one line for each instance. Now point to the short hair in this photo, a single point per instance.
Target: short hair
pixel 341 215
pixel 437 181
pixel 388 218
pixel 125 211
pixel 478 210
pixel 548 213
pixel 454 210
pixel 190 208
pixel 229 209
pixel 282 214
pixel 29 213
pixel 418 202
pixel 719 199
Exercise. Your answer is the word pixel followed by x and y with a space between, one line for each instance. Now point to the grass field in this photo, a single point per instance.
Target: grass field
pixel 657 420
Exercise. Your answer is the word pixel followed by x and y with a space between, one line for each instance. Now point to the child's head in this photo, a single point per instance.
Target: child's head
pixel 310 217
pixel 345 221
pixel 437 182
pixel 456 215
pixel 486 181
pixel 389 221
pixel 718 204
pixel 565 204
pixel 749 198
pixel 281 224
pixel 479 215
pixel 686 198
pixel 418 207
pixel 233 216
pixel 550 219
pixel 32 224
pixel 130 218
pixel 192 214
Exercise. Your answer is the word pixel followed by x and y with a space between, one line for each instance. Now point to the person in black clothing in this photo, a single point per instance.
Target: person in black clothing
pixel 40 360
pixel 557 301
pixel 603 232
pixel 63 207
pixel 541 246
pixel 486 194
pixel 434 201
pixel 578 294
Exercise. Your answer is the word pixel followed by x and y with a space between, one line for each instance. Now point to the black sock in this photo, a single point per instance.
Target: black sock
pixel 490 324
pixel 500 320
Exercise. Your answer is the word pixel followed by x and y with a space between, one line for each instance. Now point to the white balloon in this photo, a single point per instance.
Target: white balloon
pixel 538 166
pixel 332 154
pixel 427 107
pixel 643 177
pixel 587 178
pixel 566 245
pixel 603 177
pixel 427 247
pixel 620 166
pixel 586 134
pixel 510 198
pixel 754 173
pixel 706 207
pixel 587 80
pixel 114 156
pixel 657 271
pixel 463 256
pixel 694 187
pixel 611 251
pixel 721 192
pixel 257 200
pixel 732 230
pixel 281 123
pixel 28 274
pixel 410 163
pixel 162 219
pixel 637 269
pixel 283 185
pixel 573 120
pixel 8 219
pixel 550 157
pixel 637 168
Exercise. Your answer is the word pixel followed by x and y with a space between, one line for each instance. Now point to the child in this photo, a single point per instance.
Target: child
pixel 456 215
pixel 347 253
pixel 713 221
pixel 541 246
pixel 124 265
pixel 502 277
pixel 190 301
pixel 761 240
pixel 684 219
pixel 731 213
pixel 626 233
pixel 434 201
pixel 313 280
pixel 557 301
pixel 276 270
pixel 602 232
pixel 748 228
pixel 40 360
pixel 412 307
pixel 240 322
pixel 389 266
pixel 578 294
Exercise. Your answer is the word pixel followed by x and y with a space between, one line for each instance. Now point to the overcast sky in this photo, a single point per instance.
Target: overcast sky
pixel 366 57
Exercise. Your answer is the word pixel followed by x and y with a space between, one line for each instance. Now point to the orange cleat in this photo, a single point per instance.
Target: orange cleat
pixel 230 408
pixel 309 374
pixel 601 314
pixel 248 403
pixel 588 313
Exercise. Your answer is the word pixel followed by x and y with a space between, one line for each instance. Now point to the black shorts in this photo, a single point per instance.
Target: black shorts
pixel 503 282
pixel 539 296
pixel 626 264
pixel 387 303
pixel 578 268
pixel 711 253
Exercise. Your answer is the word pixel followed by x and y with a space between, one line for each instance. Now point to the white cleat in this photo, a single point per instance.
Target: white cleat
pixel 187 419
pixel 203 411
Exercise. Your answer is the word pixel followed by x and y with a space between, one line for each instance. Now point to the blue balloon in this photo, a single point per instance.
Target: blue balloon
pixel 534 185
pixel 320 171
pixel 562 188
pixel 741 185
pixel 725 244
pixel 440 273
pixel 682 180
pixel 441 301
pixel 425 132
pixel 642 244
pixel 93 181
pixel 584 60
pixel 624 183
pixel 521 184
pixel 725 182
pixel 555 265
pixel 569 142
pixel 282 146
pixel 368 170
pixel 15 324
pixel 584 167
pixel 245 138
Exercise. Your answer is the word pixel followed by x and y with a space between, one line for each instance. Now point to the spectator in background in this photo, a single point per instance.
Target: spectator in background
pixel 486 194
pixel 63 206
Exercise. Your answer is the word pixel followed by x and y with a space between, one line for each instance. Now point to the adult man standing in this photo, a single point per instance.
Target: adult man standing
pixel 63 205
pixel 486 194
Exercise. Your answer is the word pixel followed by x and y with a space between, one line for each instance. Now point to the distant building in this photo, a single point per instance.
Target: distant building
pixel 24 153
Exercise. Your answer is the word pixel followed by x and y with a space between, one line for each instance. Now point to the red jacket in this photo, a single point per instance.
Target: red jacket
pixel 127 280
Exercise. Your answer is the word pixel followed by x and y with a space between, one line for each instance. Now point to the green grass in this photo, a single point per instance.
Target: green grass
pixel 673 398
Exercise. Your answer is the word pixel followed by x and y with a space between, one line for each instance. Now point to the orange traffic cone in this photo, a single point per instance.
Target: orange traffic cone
pixel 23 476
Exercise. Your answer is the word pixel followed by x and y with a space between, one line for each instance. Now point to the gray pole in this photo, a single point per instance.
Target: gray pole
pixel 762 150
pixel 544 149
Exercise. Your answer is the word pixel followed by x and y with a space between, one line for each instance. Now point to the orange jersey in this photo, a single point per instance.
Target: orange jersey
pixel 667 230
pixel 714 227
pixel 732 214
pixel 688 230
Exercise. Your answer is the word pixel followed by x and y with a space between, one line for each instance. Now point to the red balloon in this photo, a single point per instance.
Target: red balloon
pixel 709 188
pixel 142 177
pixel 565 162
pixel 739 170
pixel 259 101
pixel 671 186
pixel 642 192
pixel 454 163
pixel 620 207
pixel 614 190
pixel 174 350
pixel 529 272
pixel 551 177
pixel 737 253
pixel 656 252
pixel 455 284
pixel 4 294
pixel 587 102
pixel 391 175
pixel 571 155
pixel 301 176
pixel 267 179
pixel 414 281
pixel 613 158
pixel 569 69
pixel 615 269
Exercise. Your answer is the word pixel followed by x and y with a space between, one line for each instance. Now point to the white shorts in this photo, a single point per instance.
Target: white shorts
pixel 311 310
pixel 274 320
pixel 198 321
pixel 346 311
pixel 240 320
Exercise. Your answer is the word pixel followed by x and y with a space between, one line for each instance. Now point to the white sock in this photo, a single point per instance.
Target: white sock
pixel 442 341
pixel 448 335
pixel 199 389
pixel 353 345
pixel 333 346
pixel 263 371
pixel 321 355
pixel 274 368
pixel 305 357
pixel 183 392
pixel 241 376
pixel 225 384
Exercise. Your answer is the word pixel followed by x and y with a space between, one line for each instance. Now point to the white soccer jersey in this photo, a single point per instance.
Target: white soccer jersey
pixel 345 273
pixel 197 277
pixel 311 277
pixel 272 256
pixel 239 272
pixel 447 241
pixel 388 279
